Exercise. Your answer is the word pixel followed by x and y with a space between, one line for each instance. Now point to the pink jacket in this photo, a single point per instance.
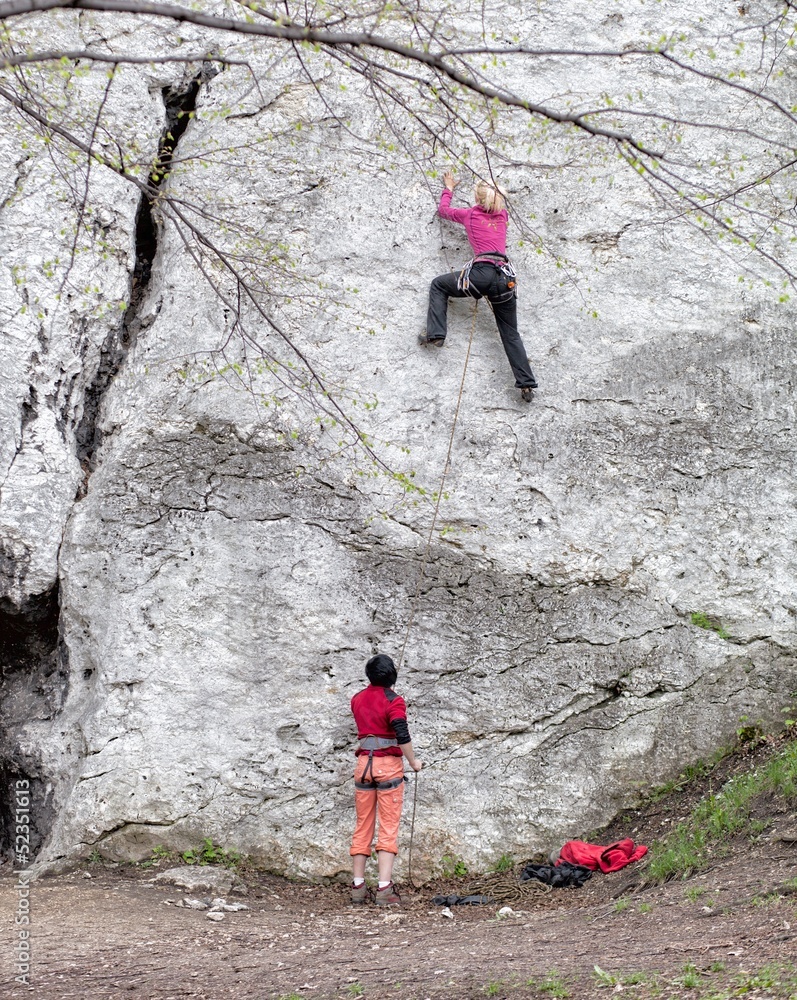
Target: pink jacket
pixel 486 230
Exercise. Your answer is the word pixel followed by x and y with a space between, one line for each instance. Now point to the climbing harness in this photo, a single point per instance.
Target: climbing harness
pixel 377 743
pixel 368 782
pixel 501 263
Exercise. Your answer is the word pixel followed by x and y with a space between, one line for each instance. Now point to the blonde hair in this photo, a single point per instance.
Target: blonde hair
pixel 490 198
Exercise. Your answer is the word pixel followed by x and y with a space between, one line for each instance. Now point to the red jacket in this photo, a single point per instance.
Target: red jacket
pixel 607 859
pixel 376 710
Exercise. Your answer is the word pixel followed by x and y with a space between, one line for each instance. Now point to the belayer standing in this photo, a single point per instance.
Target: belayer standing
pixel 489 274
pixel 381 718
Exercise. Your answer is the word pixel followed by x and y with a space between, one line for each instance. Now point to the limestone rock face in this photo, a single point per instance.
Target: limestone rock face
pixel 194 569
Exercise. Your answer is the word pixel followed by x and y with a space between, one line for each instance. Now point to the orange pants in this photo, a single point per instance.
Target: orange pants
pixel 387 802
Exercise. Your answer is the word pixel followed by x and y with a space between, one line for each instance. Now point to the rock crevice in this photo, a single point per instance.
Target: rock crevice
pixel 179 107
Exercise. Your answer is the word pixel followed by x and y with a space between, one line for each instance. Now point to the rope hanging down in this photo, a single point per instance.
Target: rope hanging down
pixel 446 467
pixel 425 559
pixel 412 828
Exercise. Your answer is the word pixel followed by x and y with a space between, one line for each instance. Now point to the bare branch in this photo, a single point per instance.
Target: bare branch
pixel 318 36
pixel 89 55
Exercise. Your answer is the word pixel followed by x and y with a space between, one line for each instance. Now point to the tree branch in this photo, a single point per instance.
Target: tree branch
pixel 290 32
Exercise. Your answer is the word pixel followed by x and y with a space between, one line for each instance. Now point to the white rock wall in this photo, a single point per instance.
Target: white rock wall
pixel 223 572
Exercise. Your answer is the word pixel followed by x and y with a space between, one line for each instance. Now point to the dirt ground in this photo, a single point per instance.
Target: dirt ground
pixel 106 931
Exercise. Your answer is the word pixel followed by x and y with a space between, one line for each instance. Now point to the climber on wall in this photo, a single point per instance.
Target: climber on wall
pixel 381 718
pixel 489 274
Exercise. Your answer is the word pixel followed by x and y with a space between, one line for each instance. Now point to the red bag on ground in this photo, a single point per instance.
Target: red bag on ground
pixel 606 859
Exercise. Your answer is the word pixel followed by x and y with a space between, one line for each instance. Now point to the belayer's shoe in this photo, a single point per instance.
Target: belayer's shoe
pixel 425 341
pixel 360 893
pixel 527 393
pixel 388 896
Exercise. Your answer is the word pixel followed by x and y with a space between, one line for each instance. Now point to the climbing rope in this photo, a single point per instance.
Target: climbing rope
pixel 446 467
pixel 422 571
pixel 505 887
pixel 412 829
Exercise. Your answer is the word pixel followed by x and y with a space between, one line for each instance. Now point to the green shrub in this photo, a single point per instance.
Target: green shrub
pixel 452 866
pixel 210 854
pixel 710 622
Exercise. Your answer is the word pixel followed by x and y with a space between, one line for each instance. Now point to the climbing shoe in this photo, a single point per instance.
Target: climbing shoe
pixel 527 393
pixel 360 893
pixel 388 896
pixel 425 341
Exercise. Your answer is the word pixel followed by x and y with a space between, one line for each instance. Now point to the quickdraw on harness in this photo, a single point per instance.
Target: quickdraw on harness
pixel 499 261
pixel 367 780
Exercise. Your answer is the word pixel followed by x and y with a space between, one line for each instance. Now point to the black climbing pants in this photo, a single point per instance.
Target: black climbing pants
pixel 486 282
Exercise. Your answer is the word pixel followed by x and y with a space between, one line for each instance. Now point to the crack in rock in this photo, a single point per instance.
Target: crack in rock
pixel 179 105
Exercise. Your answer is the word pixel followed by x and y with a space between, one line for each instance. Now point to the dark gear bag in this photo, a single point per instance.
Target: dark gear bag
pixel 505 284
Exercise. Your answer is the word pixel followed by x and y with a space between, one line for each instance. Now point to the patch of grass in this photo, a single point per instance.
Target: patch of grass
pixel 680 855
pixel 693 893
pixel 645 907
pixel 603 978
pixel 553 985
pixel 717 818
pixel 635 978
pixel 710 622
pixel 95 858
pixel 621 905
pixel 159 853
pixel 690 978
pixel 504 864
pixel 780 978
pixel 768 899
pixel 757 827
pixel 693 772
pixel 355 989
pixel 717 967
pixel 493 988
pixel 211 854
pixel 619 981
pixel 452 866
